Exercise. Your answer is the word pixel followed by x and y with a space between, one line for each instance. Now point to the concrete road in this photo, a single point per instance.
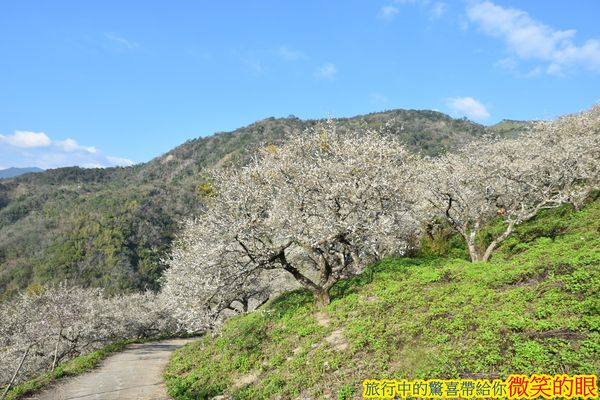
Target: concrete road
pixel 135 373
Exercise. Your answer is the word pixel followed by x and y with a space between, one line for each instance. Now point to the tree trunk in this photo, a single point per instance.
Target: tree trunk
pixel 489 250
pixel 321 298
pixel 473 253
pixel 56 350
pixel 497 241
pixel 320 293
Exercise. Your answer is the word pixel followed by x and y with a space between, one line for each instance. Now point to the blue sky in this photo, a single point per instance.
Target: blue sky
pixel 117 82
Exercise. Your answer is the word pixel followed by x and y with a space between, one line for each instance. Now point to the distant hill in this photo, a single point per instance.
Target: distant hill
pixel 12 172
pixel 113 227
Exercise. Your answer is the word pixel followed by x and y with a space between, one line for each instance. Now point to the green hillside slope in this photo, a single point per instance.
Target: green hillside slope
pixel 111 227
pixel 534 309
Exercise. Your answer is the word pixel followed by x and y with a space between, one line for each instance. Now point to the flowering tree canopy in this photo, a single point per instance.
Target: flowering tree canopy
pixel 555 163
pixel 319 208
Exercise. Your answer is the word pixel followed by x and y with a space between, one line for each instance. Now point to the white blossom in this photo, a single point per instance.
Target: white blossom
pixel 319 208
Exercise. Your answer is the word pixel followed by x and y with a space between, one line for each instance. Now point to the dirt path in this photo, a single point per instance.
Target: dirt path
pixel 135 373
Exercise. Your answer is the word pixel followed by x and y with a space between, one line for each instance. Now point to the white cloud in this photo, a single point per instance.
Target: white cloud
pixel 43 152
pixel 326 71
pixel 468 107
pixel 121 41
pixel 71 145
pixel 26 139
pixel 290 54
pixel 387 13
pixel 528 39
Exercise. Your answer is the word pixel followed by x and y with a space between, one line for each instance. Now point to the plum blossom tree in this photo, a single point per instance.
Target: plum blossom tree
pixel 574 143
pixel 318 208
pixel 557 162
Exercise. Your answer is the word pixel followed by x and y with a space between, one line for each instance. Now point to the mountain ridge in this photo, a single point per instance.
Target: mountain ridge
pixel 12 172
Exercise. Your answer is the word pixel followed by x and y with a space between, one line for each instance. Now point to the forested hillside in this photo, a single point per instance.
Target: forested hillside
pixel 111 227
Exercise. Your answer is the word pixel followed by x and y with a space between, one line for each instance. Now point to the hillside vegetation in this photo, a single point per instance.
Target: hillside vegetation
pixel 534 308
pixel 111 228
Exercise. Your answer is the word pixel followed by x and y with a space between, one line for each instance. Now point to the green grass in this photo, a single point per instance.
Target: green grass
pixel 534 309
